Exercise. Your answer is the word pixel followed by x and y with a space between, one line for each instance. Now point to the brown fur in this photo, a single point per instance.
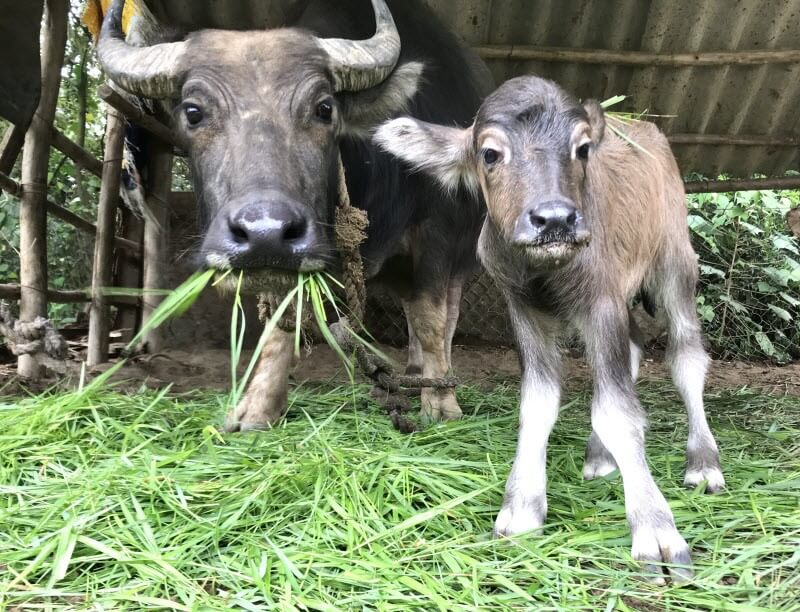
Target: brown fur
pixel 793 221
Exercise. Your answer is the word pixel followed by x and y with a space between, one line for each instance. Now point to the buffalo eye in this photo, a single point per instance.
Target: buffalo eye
pixel 194 114
pixel 490 157
pixel 582 151
pixel 325 111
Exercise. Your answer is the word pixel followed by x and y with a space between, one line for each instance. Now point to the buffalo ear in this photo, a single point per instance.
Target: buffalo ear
pixel 597 120
pixel 362 111
pixel 445 153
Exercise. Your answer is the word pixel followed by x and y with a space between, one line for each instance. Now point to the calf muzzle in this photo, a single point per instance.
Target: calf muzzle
pixel 554 221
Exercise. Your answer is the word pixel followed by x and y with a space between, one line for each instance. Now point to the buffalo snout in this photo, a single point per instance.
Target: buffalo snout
pixel 265 232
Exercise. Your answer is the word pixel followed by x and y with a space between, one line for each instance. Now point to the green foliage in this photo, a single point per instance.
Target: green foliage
pixel 80 117
pixel 130 502
pixel 749 296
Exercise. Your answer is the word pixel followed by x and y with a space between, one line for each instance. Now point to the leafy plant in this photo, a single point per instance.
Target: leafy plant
pixel 749 295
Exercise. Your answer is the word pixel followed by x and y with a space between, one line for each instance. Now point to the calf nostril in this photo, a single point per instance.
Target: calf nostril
pixel 538 220
pixel 295 230
pixel 572 218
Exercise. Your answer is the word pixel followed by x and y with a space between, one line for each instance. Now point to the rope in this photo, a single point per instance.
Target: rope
pixel 351 230
pixel 31 338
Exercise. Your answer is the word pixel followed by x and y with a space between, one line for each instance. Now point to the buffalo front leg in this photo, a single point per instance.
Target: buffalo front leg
pixel 427 316
pixel 525 501
pixel 266 398
pixel 619 422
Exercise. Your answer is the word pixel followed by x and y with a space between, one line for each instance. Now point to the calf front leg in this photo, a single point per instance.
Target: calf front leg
pixel 266 398
pixel 427 315
pixel 619 422
pixel 598 461
pixel 525 502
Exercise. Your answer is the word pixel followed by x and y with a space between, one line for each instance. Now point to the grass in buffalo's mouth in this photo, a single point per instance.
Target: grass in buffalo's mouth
pixel 135 502
pixel 312 290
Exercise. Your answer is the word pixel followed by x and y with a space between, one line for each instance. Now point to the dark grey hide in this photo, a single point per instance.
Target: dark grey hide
pixel 264 116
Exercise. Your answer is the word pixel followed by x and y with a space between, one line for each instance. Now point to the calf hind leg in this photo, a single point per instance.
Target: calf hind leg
pixel 689 362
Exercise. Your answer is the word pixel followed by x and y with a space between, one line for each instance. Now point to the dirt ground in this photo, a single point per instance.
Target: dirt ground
pixel 210 369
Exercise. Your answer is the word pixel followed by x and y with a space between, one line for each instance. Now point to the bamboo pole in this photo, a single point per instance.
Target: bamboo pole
pixel 65 296
pixel 137 115
pixel 741 140
pixel 128 273
pixel 82 158
pixel 67 216
pixel 638 58
pixel 35 160
pixel 10 147
pixel 99 311
pixel 785 182
pixel 156 235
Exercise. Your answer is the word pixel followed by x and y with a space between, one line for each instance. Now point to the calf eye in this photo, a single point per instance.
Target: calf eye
pixel 583 151
pixel 325 111
pixel 490 157
pixel 194 114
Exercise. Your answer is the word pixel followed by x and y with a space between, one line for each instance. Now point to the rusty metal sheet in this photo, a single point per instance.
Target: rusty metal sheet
pixel 720 100
pixel 20 71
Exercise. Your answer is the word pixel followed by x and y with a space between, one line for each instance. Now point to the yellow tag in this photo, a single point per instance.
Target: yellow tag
pixel 95 9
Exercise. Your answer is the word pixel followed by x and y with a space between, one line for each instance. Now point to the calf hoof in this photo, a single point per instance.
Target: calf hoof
pixel 653 546
pixel 703 466
pixel 598 462
pixel 711 475
pixel 439 406
pixel 516 518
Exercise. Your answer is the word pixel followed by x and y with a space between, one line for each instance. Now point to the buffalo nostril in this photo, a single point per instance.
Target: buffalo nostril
pixel 295 230
pixel 239 235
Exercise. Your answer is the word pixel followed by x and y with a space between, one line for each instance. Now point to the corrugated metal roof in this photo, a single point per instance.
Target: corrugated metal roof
pixel 753 100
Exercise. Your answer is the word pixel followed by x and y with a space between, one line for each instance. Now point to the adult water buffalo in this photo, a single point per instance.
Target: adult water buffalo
pixel 578 222
pixel 264 115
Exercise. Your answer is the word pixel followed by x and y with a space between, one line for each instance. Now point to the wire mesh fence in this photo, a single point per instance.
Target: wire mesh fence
pixel 483 320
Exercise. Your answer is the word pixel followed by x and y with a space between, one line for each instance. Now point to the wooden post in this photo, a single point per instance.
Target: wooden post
pixel 10 147
pixel 156 234
pixel 35 161
pixel 99 312
pixel 128 273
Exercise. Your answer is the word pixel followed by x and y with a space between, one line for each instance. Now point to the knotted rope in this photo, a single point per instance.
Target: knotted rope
pixel 31 338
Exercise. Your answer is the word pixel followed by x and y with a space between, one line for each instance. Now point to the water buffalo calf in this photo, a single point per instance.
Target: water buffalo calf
pixel 579 221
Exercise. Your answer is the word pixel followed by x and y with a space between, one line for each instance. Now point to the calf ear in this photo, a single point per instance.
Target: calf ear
pixel 362 111
pixel 597 120
pixel 445 153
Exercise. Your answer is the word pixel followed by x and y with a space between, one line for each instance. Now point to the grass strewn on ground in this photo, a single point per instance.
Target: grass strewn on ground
pixel 112 501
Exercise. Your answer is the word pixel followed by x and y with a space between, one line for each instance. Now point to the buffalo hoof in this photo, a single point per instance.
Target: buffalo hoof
pixel 438 406
pixel 253 414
